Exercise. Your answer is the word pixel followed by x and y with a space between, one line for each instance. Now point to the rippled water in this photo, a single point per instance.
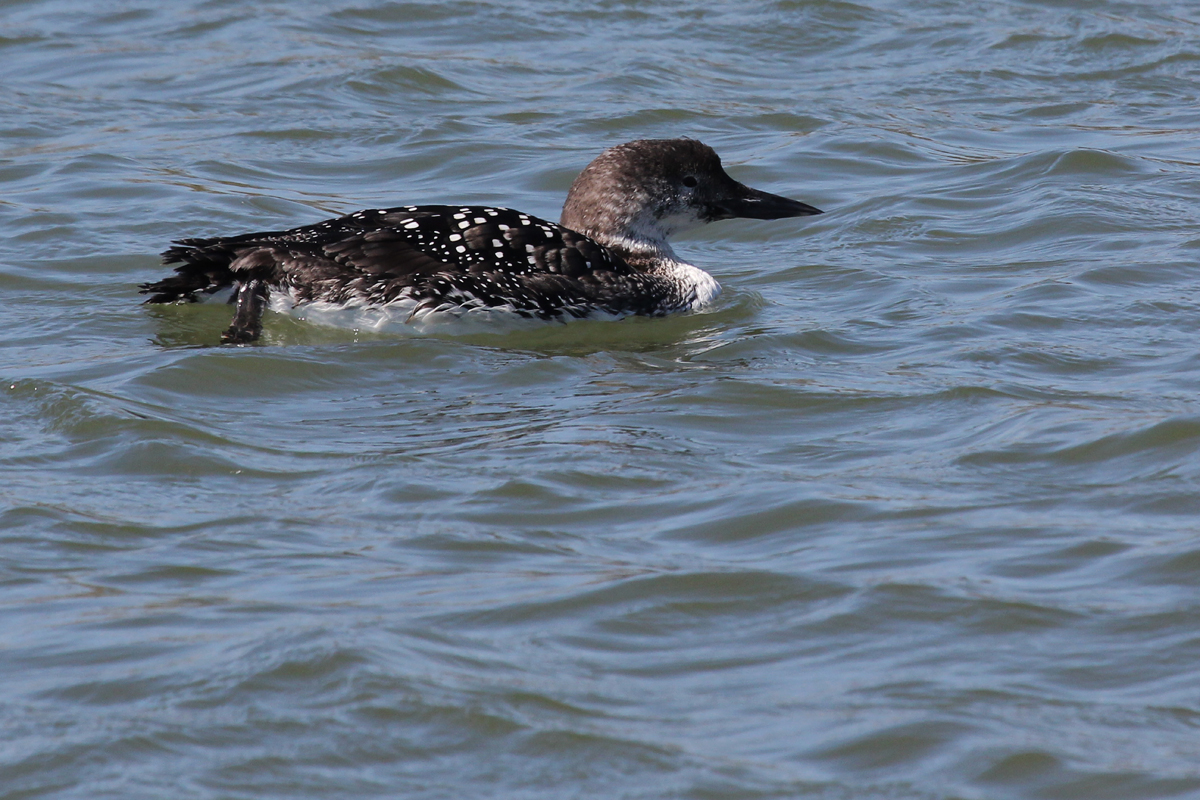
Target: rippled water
pixel 911 514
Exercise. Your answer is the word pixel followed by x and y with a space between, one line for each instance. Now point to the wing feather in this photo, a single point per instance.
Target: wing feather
pixel 435 254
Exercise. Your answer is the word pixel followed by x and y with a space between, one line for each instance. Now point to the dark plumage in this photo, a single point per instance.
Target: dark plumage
pixel 609 256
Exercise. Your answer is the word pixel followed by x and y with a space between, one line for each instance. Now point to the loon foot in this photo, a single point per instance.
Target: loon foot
pixel 250 302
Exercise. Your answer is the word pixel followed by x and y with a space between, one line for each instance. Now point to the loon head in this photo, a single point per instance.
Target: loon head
pixel 636 195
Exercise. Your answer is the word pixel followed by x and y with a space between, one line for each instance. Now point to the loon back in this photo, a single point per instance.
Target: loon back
pixel 429 260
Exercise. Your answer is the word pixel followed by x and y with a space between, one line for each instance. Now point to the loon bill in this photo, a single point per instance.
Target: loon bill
pixel 607 257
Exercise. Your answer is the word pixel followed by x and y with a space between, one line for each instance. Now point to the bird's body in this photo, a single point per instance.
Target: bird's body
pixel 609 256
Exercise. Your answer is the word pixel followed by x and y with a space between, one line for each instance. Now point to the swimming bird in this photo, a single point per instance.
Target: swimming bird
pixel 608 256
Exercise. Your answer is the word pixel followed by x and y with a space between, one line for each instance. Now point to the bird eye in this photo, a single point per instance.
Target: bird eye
pixel 689 181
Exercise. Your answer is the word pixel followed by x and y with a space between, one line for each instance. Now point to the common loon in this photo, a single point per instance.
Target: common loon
pixel 608 256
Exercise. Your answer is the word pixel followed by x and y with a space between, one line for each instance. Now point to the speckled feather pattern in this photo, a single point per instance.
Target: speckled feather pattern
pixel 442 257
pixel 608 257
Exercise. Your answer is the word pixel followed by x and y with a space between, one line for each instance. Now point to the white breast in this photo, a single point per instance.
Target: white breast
pixel 696 286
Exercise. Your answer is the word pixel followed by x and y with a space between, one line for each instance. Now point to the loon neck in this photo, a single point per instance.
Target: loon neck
pixel 638 250
pixel 641 240
pixel 622 219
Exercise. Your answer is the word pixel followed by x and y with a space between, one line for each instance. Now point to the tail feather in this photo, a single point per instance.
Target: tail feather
pixel 208 265
pixel 203 267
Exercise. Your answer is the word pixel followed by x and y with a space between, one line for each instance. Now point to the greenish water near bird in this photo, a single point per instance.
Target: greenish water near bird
pixel 910 512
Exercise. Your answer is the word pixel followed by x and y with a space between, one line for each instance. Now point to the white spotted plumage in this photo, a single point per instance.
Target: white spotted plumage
pixel 608 257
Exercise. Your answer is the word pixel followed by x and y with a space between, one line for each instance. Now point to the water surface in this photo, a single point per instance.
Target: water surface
pixel 910 513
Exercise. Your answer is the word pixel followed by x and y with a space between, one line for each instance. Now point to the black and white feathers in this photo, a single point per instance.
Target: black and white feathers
pixel 609 257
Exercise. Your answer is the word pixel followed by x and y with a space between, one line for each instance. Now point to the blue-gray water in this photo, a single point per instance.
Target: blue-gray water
pixel 912 513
